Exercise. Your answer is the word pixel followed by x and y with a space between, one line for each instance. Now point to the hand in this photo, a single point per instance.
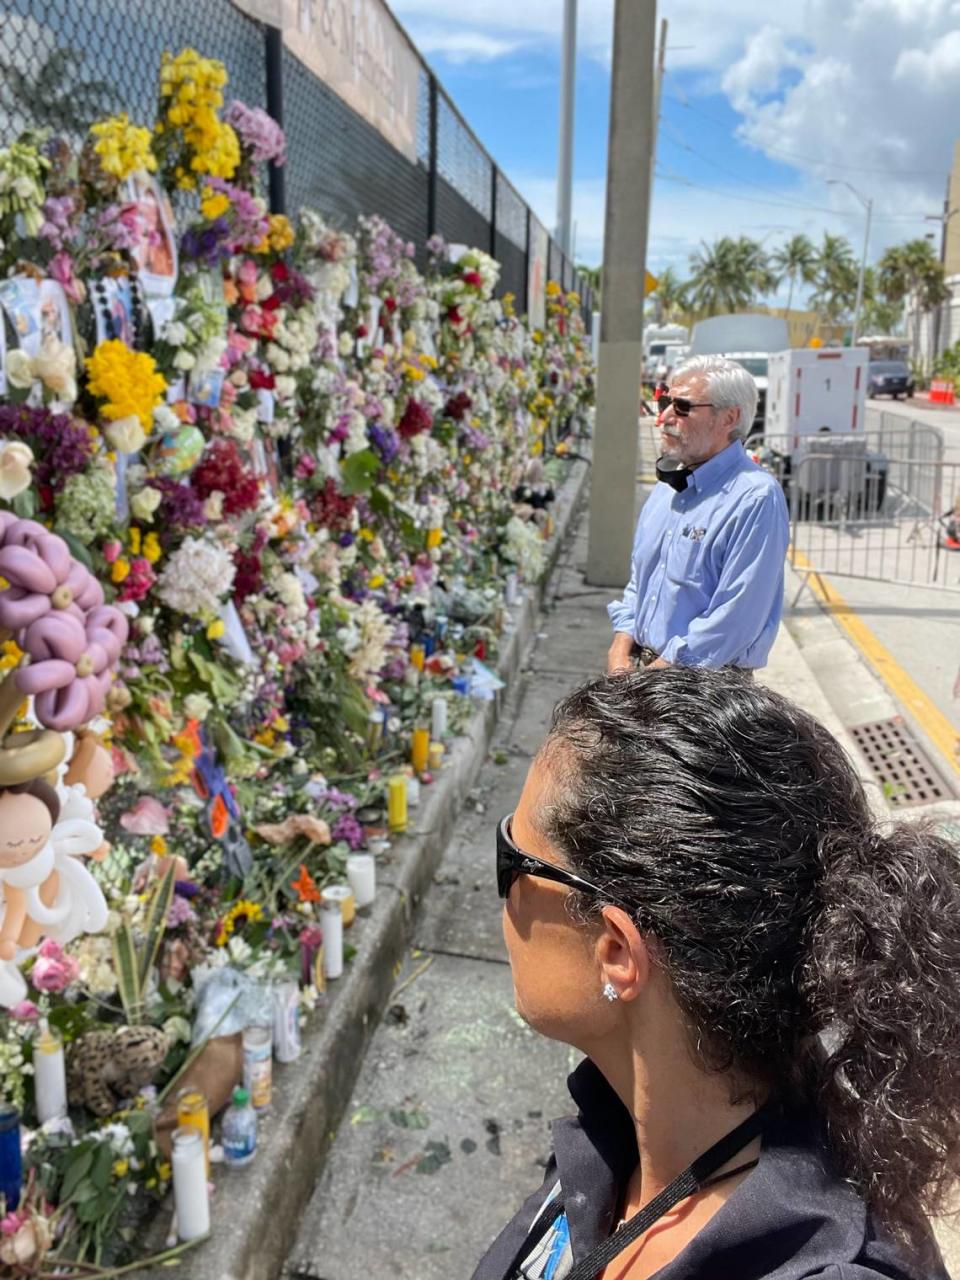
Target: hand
pixel 619 654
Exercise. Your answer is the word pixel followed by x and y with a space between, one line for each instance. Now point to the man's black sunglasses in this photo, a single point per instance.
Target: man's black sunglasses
pixel 681 406
pixel 513 862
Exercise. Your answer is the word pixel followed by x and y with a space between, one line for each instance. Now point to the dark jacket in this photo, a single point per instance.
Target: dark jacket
pixel 791 1219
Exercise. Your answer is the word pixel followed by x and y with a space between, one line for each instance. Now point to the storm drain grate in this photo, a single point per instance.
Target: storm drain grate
pixel 902 767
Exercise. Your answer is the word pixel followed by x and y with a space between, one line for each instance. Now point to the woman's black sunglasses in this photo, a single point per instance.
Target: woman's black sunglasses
pixel 513 862
pixel 681 406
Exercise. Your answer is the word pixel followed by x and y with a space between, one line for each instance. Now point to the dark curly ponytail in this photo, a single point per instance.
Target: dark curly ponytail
pixel 882 977
pixel 808 950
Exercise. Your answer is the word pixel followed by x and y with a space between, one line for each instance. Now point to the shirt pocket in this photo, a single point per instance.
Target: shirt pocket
pixel 685 559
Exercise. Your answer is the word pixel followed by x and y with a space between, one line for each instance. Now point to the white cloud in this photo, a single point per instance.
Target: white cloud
pixel 759 72
pixel 464 46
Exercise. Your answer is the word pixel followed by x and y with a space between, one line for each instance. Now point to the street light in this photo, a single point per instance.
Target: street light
pixel 868 205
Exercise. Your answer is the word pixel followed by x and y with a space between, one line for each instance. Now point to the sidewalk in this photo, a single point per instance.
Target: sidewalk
pixel 447 1129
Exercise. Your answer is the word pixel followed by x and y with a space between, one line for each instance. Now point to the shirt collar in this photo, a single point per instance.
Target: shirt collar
pixel 711 472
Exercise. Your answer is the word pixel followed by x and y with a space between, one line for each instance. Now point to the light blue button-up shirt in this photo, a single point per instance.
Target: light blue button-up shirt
pixel 706 589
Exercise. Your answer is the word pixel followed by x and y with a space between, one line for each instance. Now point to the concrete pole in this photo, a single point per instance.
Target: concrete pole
pixel 614 478
pixel 863 267
pixel 568 81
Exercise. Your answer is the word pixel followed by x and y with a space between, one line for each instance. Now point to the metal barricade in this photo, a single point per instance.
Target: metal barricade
pixel 889 514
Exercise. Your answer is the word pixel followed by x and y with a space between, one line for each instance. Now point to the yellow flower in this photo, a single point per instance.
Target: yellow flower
pixel 123 148
pixel 281 724
pixel 135 539
pixel 280 234
pixel 126 381
pixel 243 911
pixel 158 846
pixel 214 204
pixel 413 373
pixel 216 629
pixel 376 581
pixel 553 289
pixel 164 1171
pixel 120 1168
pixel 120 569
pixel 367 535
pixel 10 655
pixel 151 548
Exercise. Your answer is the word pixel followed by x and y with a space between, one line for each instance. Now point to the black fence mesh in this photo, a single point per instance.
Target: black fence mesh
pixel 64 62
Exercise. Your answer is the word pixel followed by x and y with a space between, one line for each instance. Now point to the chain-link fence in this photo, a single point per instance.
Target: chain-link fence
pixel 64 62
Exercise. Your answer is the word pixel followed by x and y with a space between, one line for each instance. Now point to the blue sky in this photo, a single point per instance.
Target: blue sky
pixel 758 113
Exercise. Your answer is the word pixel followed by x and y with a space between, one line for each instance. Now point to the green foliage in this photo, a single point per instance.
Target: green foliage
pixel 135 956
pixel 359 471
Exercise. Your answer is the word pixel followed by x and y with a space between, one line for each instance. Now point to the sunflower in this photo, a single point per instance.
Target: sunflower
pixel 241 913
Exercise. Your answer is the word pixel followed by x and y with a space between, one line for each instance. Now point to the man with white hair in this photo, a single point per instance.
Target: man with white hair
pixel 706 587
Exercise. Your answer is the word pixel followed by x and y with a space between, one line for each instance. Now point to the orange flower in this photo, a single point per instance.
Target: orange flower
pixel 306 886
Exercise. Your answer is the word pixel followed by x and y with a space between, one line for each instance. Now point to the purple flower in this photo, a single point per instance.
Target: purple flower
pixel 260 135
pixel 384 441
pixel 338 800
pixel 180 507
pixel 180 912
pixel 61 445
pixel 349 829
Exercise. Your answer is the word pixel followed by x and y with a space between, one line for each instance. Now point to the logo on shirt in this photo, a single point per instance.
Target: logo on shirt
pixel 695 535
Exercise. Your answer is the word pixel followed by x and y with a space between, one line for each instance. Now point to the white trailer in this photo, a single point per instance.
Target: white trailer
pixel 816 391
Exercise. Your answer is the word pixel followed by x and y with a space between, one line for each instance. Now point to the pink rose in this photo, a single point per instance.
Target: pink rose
pixel 61 270
pixel 25 1011
pixel 148 817
pixel 111 550
pixel 53 970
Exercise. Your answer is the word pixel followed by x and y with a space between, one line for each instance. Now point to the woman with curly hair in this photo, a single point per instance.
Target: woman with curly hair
pixel 766 985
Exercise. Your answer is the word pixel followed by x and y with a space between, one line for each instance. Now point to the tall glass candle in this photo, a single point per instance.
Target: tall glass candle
pixel 11 1162
pixel 49 1074
pixel 413 791
pixel 362 877
pixel 438 719
pixel 417 656
pixel 420 748
pixel 190 1193
pixel 397 802
pixel 331 922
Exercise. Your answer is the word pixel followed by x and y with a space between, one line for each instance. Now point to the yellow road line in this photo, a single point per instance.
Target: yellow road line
pixel 926 713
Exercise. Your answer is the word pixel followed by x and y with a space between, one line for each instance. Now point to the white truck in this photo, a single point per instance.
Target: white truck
pixel 816 410
pixel 657 340
pixel 750 339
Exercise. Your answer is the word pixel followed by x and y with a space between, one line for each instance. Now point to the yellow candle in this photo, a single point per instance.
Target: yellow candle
pixel 436 754
pixel 420 751
pixel 397 803
pixel 434 537
pixel 417 656
pixel 193 1113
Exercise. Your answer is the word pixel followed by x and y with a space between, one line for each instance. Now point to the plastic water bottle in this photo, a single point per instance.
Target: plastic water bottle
pixel 239 1130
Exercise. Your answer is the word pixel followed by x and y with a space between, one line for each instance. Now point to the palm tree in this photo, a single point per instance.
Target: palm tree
pixel 670 296
pixel 912 268
pixel 56 96
pixel 592 277
pixel 835 278
pixel 756 268
pixel 795 260
pixel 718 282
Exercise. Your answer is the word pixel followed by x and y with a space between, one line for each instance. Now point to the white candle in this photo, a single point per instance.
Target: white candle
pixel 438 719
pixel 331 922
pixel 190 1194
pixel 413 791
pixel 362 877
pixel 49 1074
pixel 511 591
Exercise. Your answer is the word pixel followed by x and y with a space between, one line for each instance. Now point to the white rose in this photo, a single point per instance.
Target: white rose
pixel 175 333
pixel 126 435
pixel 144 504
pixel 24 187
pixel 19 369
pixel 184 360
pixel 165 419
pixel 345 344
pixel 15 459
pixel 239 378
pixel 56 367
pixel 286 387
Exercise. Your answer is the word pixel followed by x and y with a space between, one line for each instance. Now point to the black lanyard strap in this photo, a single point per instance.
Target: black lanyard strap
pixel 692 1179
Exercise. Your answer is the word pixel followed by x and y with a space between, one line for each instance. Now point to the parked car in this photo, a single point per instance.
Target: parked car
pixel 889 378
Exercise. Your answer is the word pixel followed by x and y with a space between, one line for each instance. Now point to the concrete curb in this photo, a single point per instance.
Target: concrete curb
pixel 255 1211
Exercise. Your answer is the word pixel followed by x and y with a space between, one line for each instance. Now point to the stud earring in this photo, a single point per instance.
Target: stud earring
pixel 610 992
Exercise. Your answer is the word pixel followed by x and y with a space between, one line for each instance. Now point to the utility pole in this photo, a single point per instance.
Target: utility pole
pixel 568 80
pixel 629 172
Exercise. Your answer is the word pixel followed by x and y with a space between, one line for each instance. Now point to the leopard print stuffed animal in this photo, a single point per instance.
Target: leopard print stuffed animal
pixel 107 1068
